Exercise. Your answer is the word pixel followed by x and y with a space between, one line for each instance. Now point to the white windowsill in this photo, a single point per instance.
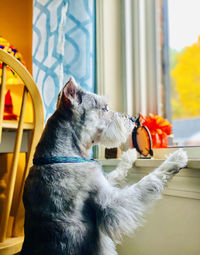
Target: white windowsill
pixel 151 163
pixel 185 184
pixel 159 157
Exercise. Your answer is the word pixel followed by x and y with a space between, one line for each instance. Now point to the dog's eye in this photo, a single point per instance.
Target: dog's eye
pixel 106 109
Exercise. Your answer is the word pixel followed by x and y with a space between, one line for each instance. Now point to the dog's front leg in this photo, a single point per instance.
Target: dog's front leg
pixel 120 211
pixel 117 176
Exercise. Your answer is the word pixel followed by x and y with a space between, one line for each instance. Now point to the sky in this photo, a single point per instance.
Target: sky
pixel 184 23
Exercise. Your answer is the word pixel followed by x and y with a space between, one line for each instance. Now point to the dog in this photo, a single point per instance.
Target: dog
pixel 71 206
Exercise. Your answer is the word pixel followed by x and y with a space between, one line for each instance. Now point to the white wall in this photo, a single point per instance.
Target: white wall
pixel 173 226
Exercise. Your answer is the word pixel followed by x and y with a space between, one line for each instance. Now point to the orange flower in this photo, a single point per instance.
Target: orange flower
pixel 159 128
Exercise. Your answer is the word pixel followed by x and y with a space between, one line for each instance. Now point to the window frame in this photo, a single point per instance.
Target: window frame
pixel 140 67
pixel 141 62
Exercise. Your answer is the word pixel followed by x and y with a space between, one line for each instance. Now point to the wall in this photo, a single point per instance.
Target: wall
pixel 173 225
pixel 16 26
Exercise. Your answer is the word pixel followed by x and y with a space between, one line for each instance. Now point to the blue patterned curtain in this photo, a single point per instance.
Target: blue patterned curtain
pixel 63 46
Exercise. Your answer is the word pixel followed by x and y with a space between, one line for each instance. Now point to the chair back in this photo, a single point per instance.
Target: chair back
pixel 6 193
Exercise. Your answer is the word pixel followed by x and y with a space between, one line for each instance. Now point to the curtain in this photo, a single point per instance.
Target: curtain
pixel 63 46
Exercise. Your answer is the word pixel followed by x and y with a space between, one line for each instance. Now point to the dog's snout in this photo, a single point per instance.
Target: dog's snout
pixel 132 119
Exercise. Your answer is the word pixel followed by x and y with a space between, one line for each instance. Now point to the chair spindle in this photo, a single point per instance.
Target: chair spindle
pixel 13 171
pixel 2 96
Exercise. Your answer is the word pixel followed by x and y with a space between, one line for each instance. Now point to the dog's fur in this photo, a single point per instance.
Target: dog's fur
pixel 74 208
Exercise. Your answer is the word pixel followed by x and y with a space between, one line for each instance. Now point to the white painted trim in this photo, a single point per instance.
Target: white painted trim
pixel 127 52
pixel 100 60
pixel 141 63
pixel 133 45
pixel 149 163
pixel 100 47
pixel 193 152
pixel 153 60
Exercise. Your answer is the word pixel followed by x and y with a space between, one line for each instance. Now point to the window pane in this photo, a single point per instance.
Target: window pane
pixel 184 44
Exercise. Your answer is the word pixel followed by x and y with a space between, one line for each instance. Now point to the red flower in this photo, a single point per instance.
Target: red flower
pixel 159 128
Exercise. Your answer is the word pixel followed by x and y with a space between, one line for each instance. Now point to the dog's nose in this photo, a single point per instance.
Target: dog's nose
pixel 133 119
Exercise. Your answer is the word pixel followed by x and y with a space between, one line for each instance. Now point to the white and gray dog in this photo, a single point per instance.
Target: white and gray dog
pixel 71 206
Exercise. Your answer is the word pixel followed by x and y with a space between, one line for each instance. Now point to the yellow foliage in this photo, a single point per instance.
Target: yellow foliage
pixel 186 75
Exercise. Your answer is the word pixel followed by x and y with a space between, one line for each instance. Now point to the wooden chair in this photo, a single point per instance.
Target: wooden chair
pixel 13 243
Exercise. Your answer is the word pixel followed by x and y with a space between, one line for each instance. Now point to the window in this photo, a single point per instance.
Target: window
pixel 165 56
pixel 133 51
pixel 184 53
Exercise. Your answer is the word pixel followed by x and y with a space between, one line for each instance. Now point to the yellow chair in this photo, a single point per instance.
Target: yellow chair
pixel 12 244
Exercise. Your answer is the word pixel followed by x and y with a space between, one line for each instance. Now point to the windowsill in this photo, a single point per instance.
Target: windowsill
pixel 151 163
pixel 193 152
pixel 185 184
pixel 192 163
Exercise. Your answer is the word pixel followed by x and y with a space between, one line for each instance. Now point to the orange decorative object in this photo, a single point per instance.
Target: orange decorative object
pixel 159 128
pixel 8 109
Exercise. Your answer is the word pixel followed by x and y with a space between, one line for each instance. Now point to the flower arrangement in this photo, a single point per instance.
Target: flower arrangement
pixel 159 128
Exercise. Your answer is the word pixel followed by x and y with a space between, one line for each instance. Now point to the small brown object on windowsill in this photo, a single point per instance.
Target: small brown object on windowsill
pixel 113 153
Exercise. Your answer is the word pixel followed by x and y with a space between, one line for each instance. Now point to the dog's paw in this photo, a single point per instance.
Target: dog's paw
pixel 172 165
pixel 179 158
pixel 128 158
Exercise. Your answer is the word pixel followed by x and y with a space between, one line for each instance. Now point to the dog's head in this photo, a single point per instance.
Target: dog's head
pixel 91 113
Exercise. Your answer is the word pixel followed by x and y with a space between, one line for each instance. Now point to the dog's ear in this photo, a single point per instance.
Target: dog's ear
pixel 69 92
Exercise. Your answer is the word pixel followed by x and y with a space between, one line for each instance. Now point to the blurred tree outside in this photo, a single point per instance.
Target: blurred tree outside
pixel 185 82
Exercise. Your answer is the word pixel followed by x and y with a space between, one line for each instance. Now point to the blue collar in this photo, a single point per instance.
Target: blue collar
pixel 59 159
